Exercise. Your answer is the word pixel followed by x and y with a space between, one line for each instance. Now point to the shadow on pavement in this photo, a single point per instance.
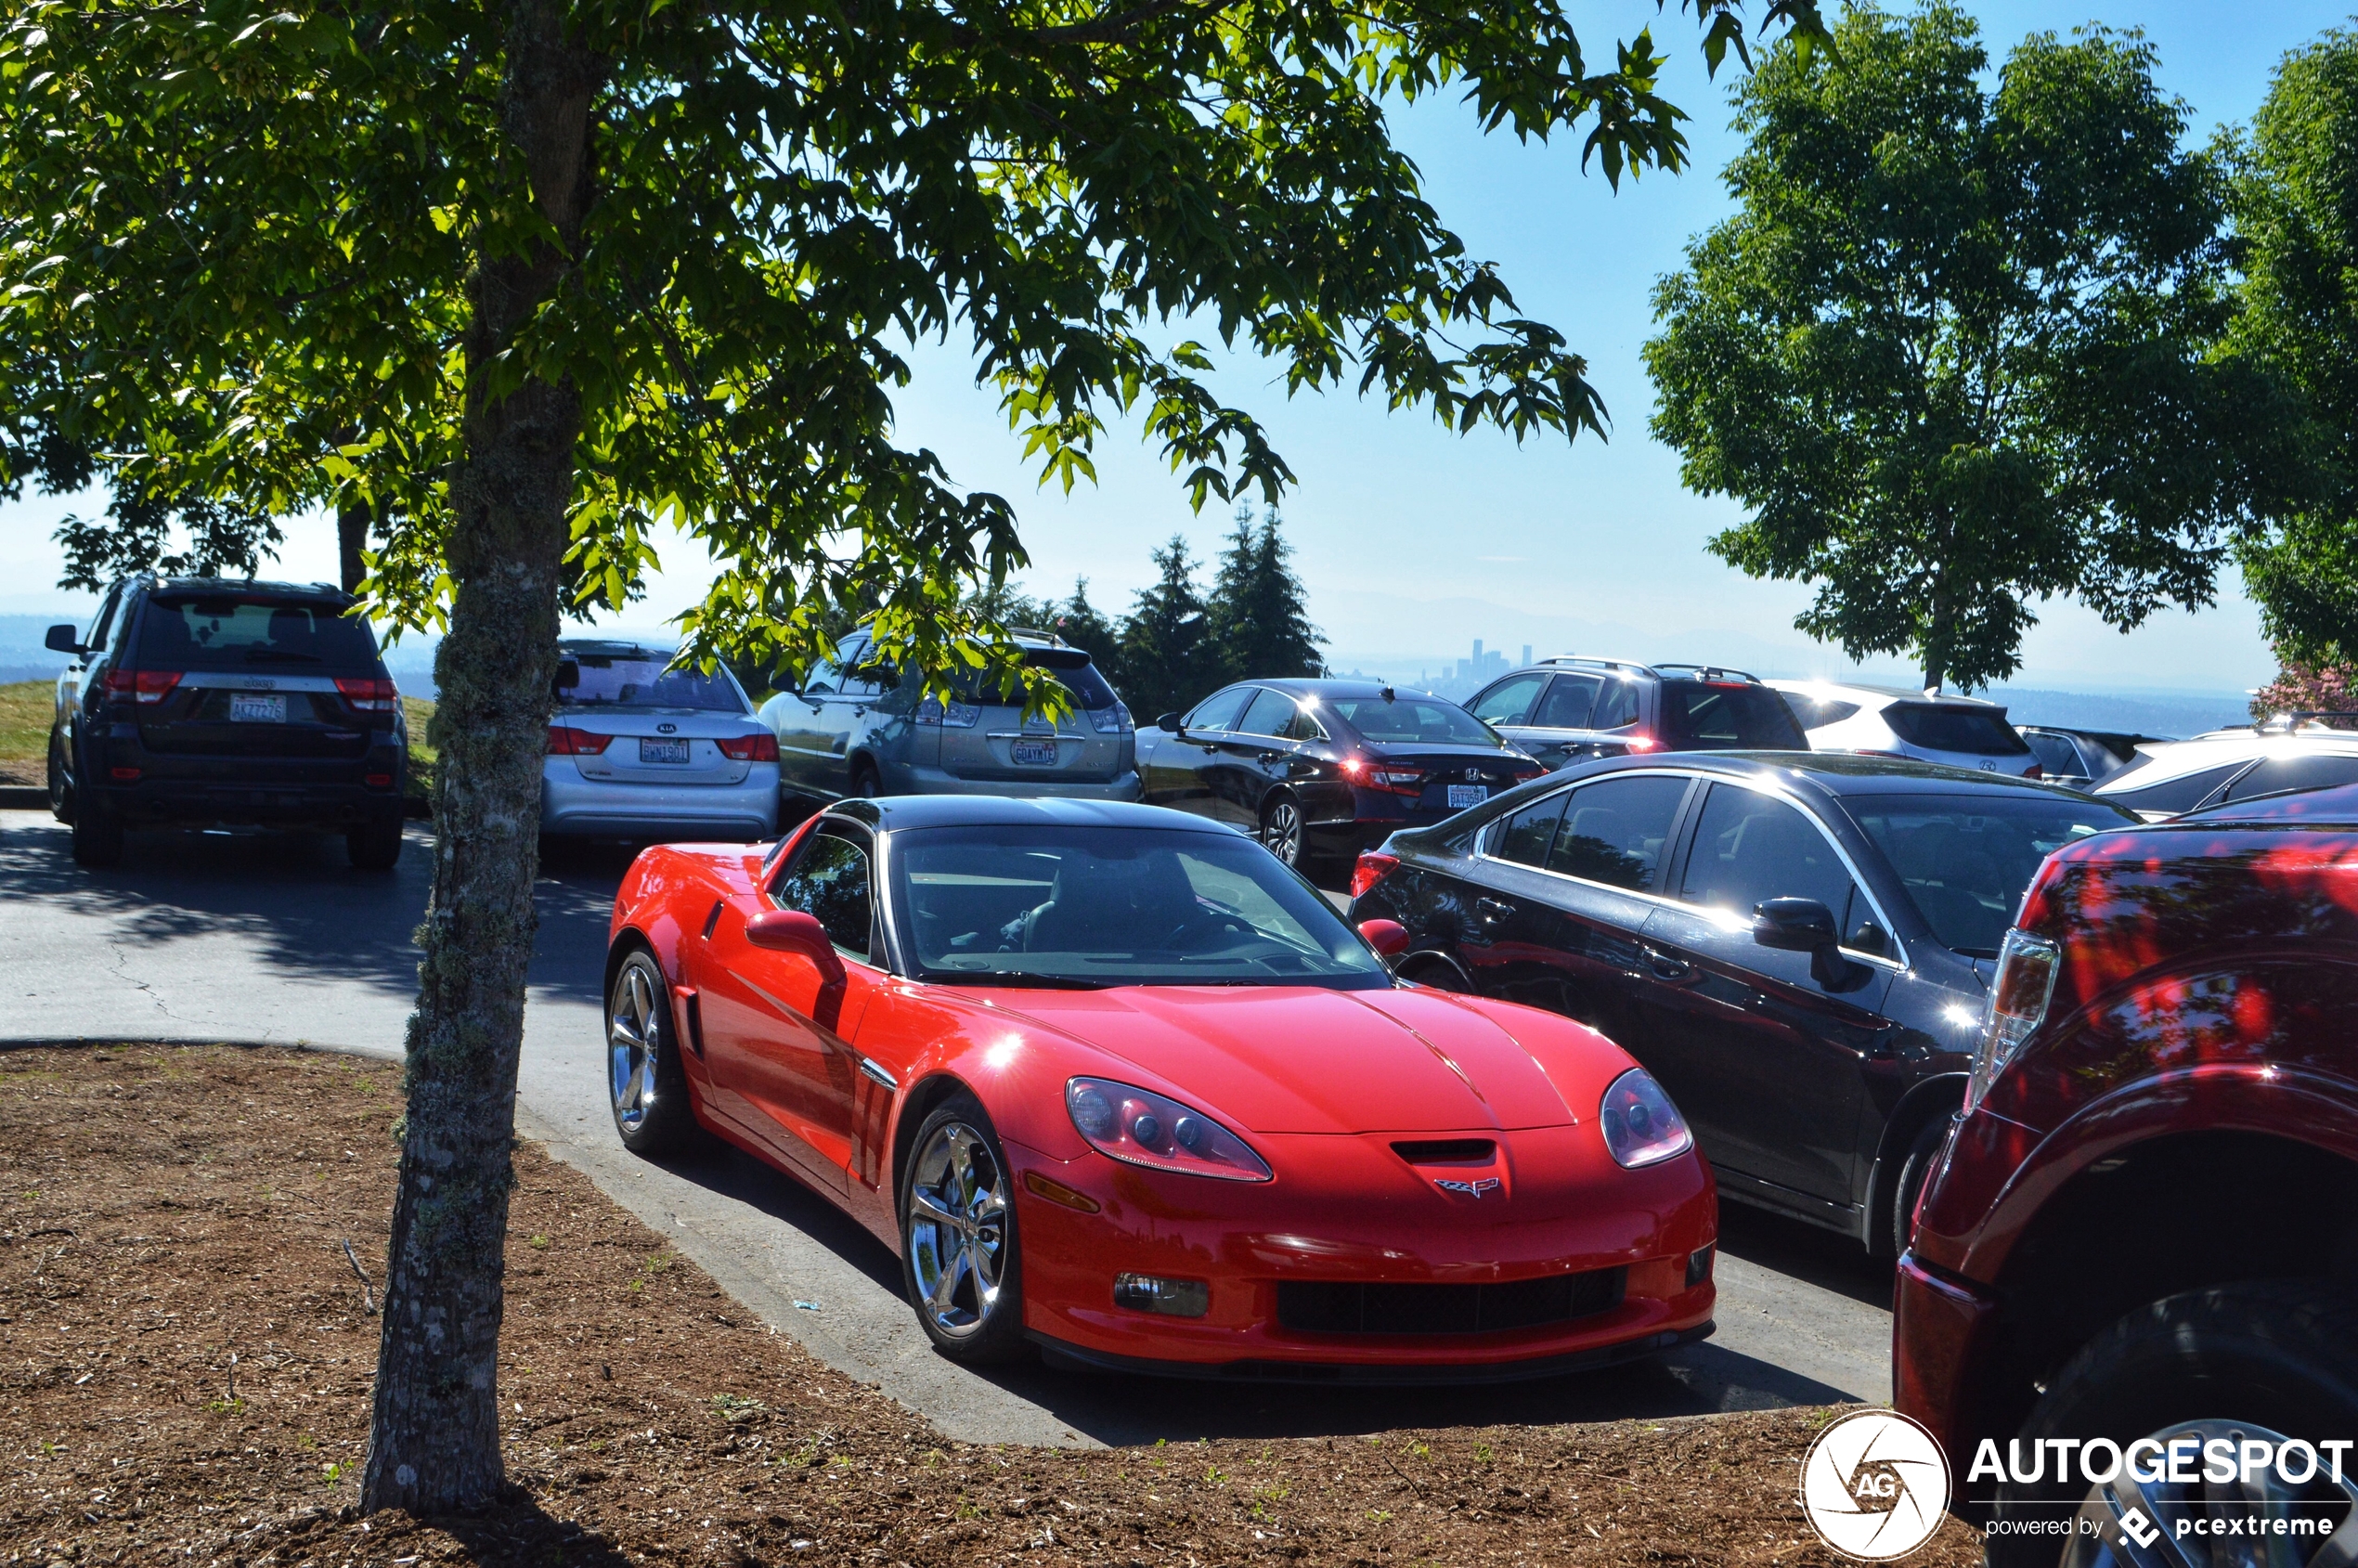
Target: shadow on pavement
pixel 1804 1251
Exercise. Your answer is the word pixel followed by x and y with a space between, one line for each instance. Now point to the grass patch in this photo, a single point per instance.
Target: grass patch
pixel 26 707
pixel 419 783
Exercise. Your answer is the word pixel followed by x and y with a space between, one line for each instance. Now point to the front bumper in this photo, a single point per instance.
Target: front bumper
pixel 1941 1329
pixel 731 813
pixel 1348 1212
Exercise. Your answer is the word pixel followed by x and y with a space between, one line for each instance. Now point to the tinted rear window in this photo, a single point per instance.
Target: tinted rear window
pixel 1071 667
pixel 1965 860
pixel 1974 731
pixel 646 680
pixel 1413 722
pixel 1709 716
pixel 243 631
pixel 2182 792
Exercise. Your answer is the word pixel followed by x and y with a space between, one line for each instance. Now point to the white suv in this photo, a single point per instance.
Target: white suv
pixel 1895 721
pixel 2288 753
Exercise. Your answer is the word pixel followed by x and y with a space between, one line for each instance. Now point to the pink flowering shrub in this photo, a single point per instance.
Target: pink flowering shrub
pixel 2313 688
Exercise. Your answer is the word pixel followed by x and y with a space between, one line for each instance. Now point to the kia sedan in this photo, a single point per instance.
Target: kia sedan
pixel 641 748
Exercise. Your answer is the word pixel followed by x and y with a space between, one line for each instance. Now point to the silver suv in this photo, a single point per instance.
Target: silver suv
pixel 856 728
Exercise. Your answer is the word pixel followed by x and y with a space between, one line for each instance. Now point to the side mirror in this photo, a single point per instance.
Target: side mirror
pixel 1794 926
pixel 1168 723
pixel 1806 925
pixel 791 930
pixel 61 640
pixel 1389 938
pixel 568 676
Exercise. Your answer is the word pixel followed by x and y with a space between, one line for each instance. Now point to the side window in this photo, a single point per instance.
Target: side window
pixel 1302 727
pixel 1616 706
pixel 1272 713
pixel 2320 771
pixel 2182 794
pixel 1219 711
pixel 1569 703
pixel 830 880
pixel 825 677
pixel 1751 848
pixel 851 653
pixel 1615 831
pixel 1524 836
pixel 96 638
pixel 1509 701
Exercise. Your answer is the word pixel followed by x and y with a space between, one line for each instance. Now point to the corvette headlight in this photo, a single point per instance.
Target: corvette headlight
pixel 1642 1126
pixel 1139 1127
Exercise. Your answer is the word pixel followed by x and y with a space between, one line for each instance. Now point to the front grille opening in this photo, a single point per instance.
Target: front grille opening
pixel 1327 1307
pixel 1447 1151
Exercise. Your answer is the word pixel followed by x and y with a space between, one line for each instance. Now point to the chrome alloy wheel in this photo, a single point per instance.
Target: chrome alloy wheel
pixel 633 1026
pixel 1281 829
pixel 957 1229
pixel 2126 1522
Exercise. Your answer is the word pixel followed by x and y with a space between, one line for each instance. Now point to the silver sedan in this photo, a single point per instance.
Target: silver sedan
pixel 640 749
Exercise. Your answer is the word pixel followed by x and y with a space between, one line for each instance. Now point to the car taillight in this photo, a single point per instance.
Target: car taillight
pixel 141 685
pixel 2036 772
pixel 366 693
pixel 762 747
pixel 1140 1127
pixel 377 781
pixel 566 742
pixel 1114 720
pixel 1641 743
pixel 1524 775
pixel 2025 984
pixel 954 715
pixel 1373 867
pixel 1409 782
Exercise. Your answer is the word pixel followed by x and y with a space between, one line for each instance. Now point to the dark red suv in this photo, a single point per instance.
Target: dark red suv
pixel 2131 1309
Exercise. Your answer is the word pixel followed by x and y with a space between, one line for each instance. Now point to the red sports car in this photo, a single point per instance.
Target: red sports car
pixel 1114 1081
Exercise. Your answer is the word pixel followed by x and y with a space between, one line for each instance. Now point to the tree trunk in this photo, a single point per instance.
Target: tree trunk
pixel 353 517
pixel 433 1444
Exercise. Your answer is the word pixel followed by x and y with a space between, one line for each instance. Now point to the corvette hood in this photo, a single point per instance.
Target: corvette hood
pixel 1307 1060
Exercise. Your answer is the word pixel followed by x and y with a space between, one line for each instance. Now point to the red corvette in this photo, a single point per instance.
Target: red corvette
pixel 1114 1081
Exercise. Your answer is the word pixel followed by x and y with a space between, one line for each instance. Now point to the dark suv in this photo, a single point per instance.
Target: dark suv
pixel 2137 1262
pixel 199 700
pixel 1571 708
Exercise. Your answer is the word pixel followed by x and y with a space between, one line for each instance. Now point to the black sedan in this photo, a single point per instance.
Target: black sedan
pixel 1325 767
pixel 1796 945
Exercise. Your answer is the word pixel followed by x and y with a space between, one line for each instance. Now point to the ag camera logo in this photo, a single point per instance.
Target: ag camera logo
pixel 1875 1485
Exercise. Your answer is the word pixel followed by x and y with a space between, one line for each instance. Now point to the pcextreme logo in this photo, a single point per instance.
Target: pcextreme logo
pixel 1875 1485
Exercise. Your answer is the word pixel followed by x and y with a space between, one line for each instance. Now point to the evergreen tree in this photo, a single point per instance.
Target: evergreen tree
pixel 1257 622
pixel 1162 640
pixel 1086 627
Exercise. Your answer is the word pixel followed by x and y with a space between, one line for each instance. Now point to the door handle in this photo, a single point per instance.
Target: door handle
pixel 1666 967
pixel 1493 909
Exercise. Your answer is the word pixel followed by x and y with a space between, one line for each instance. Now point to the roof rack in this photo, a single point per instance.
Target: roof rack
pixel 1050 638
pixel 2291 719
pixel 1708 672
pixel 1600 662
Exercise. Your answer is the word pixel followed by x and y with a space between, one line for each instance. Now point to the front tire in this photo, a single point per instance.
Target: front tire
pixel 1898 1226
pixel 867 784
pixel 60 788
pixel 2266 1358
pixel 1281 828
pixel 960 1264
pixel 646 1087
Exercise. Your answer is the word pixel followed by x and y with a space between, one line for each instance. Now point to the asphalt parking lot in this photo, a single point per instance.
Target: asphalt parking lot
pixel 273 940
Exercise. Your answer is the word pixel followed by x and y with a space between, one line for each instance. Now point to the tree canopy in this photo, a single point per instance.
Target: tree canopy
pixel 528 280
pixel 1957 351
pixel 2295 199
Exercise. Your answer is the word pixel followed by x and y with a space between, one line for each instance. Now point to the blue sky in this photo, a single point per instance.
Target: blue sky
pixel 1412 541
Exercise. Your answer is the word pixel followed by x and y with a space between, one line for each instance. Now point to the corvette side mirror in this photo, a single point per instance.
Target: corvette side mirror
pixel 1389 938
pixel 791 930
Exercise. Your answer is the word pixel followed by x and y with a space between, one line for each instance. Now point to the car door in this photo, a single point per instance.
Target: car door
pixel 1178 768
pixel 1571 880
pixel 1253 757
pixel 814 725
pixel 778 1042
pixel 71 679
pixel 1765 1059
pixel 1505 704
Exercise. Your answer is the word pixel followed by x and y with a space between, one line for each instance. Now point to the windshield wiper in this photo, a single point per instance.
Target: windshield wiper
pixel 1024 978
pixel 279 655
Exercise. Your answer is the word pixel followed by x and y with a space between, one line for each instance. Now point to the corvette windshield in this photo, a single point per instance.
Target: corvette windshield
pixel 1117 906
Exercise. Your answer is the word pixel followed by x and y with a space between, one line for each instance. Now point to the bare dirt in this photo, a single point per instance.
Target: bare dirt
pixel 185 1353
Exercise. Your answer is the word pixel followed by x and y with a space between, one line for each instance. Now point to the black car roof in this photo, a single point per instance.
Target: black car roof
pixel 1840 772
pixel 899 812
pixel 250 585
pixel 1319 686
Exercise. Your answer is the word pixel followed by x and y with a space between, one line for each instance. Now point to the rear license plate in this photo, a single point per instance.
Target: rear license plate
pixel 1035 754
pixel 250 707
pixel 1463 796
pixel 673 752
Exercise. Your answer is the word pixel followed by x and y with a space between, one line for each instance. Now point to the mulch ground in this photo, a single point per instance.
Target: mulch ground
pixel 186 1353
